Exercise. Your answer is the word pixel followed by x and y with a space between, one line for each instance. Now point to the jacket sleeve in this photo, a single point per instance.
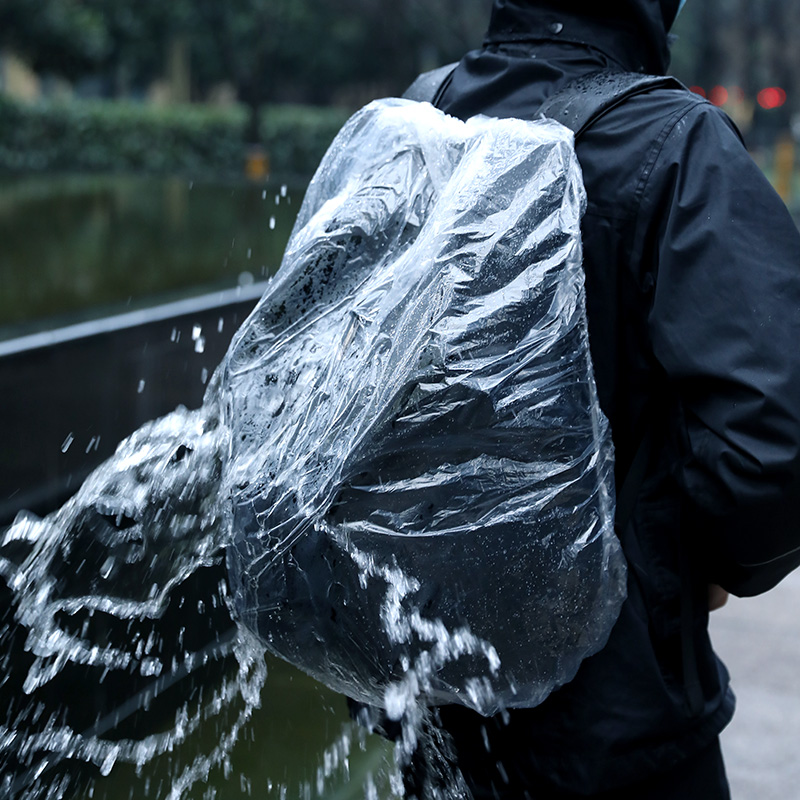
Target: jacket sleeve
pixel 725 327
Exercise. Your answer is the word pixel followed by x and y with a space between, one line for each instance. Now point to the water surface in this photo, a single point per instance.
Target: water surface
pixel 89 245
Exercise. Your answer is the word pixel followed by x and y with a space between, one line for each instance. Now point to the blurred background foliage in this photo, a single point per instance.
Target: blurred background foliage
pixel 266 50
pixel 243 56
pixel 266 54
pixel 241 97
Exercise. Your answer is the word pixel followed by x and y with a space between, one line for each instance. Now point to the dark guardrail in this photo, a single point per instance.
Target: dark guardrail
pixel 68 396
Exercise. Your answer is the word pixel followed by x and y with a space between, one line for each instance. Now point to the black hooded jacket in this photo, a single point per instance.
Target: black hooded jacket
pixel 693 290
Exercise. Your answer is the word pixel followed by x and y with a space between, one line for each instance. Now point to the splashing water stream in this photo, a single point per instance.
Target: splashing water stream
pixel 142 525
pixel 399 477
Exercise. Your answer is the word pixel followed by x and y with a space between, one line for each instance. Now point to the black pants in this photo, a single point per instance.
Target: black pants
pixel 700 777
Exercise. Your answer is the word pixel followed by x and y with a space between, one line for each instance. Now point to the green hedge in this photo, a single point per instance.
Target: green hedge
pixel 103 136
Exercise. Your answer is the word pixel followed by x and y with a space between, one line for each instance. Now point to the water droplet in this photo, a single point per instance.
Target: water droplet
pixel 140 387
pixel 220 324
pixel 556 27
pixel 204 376
pixel 272 223
pixel 109 761
pixel 199 344
pixel 502 770
pixel 66 444
pixel 284 189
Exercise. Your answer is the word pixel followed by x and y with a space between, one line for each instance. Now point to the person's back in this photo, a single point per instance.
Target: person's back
pixel 693 281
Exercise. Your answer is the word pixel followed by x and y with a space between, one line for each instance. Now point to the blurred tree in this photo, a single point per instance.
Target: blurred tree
pixel 448 28
pixel 257 44
pixel 139 32
pixel 744 46
pixel 66 37
pixel 267 49
pixel 413 36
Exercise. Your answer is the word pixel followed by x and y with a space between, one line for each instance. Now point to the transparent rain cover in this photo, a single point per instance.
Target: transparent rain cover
pixel 421 478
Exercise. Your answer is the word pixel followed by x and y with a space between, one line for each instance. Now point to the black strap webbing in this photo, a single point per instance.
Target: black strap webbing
pixel 581 102
pixel 428 84
pixel 577 105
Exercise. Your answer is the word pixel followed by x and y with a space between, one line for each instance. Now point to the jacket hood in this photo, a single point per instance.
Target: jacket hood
pixel 633 32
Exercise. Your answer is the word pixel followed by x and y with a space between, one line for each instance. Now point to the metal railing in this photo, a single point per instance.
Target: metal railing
pixel 69 395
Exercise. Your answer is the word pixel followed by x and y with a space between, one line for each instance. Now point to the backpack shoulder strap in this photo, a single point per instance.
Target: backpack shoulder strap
pixel 428 84
pixel 577 105
pixel 581 102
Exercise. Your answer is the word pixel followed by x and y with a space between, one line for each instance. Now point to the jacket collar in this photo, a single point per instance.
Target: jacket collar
pixel 632 32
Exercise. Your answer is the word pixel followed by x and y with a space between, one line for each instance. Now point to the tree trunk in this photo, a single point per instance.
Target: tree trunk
pixel 252 133
pixel 178 70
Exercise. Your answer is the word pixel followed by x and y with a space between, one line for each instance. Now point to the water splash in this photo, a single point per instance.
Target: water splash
pixel 91 585
pixel 149 517
pixel 410 405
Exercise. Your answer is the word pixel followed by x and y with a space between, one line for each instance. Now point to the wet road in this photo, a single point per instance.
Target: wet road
pixel 759 640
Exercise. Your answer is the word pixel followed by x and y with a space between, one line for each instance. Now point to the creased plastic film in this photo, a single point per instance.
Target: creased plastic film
pixel 420 476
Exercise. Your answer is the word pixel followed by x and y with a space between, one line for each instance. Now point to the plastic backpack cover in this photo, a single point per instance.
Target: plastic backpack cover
pixel 420 474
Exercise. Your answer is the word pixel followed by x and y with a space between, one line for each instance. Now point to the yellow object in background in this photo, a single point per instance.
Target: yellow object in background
pixel 784 166
pixel 257 164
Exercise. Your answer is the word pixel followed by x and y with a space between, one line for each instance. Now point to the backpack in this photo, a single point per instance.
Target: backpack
pixel 420 477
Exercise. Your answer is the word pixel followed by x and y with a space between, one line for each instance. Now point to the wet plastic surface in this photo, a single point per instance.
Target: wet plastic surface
pixel 420 475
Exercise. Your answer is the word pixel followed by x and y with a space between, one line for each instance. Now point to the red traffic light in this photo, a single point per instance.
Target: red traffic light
pixel 718 96
pixel 771 97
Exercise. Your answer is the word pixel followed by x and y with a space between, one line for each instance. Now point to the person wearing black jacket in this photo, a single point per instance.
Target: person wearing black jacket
pixel 693 294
